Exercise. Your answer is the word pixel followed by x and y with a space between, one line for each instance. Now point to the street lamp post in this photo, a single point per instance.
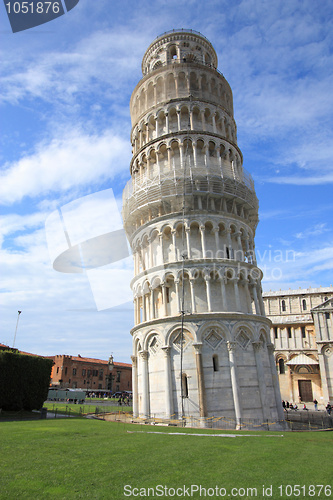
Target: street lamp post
pixel 18 317
pixel 111 377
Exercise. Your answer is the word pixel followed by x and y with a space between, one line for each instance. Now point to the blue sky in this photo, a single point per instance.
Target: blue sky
pixel 65 125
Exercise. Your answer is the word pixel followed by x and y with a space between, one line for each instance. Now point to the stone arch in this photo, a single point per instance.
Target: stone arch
pixel 161 122
pixel 171 85
pixel 175 155
pixel 182 84
pixel 245 327
pixel 172 53
pixel 163 157
pixel 157 65
pixel 195 239
pixel 204 85
pixel 159 89
pixel 137 347
pixel 150 95
pixel 173 332
pixel 149 336
pixel 184 118
pixel 208 119
pixel 142 101
pixel 219 331
pixel 196 118
pixel 173 119
pixel 194 84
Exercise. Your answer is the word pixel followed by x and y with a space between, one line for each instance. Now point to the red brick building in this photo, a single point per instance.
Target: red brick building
pixel 96 375
pixel 77 372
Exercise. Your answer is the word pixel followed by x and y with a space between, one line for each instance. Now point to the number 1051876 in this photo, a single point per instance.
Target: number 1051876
pixel 32 8
pixel 312 490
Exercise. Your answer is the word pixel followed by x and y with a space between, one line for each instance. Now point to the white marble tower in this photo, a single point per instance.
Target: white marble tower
pixel 190 213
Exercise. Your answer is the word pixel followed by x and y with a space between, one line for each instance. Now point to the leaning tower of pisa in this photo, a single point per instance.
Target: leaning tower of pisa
pixel 201 344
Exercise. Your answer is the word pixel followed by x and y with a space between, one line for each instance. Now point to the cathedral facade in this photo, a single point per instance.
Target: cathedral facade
pixel 201 341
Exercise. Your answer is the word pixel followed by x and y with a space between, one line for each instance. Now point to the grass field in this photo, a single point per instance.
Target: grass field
pixel 84 458
pixel 81 409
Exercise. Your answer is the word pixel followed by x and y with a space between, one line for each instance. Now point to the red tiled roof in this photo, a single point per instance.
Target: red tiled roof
pixel 102 361
pixel 74 358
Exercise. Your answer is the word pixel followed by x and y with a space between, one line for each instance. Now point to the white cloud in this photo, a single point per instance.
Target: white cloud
pixel 102 58
pixel 71 160
pixel 317 230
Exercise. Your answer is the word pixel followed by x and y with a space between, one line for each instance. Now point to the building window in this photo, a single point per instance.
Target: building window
pixel 304 305
pixel 289 332
pixel 84 382
pixel 83 372
pixel 89 374
pixel 303 332
pixel 57 369
pixel 74 371
pixel 283 306
pixel 66 370
pixel 118 376
pixel 100 375
pixel 95 373
pixel 184 385
pixel 216 363
pixel 327 315
pixel 275 332
pixel 282 369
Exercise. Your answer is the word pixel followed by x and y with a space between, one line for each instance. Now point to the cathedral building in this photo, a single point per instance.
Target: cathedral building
pixel 201 341
pixel 302 333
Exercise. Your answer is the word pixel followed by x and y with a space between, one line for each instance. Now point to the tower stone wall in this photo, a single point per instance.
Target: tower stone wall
pixel 190 213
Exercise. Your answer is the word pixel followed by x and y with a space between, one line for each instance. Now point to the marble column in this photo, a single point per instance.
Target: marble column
pixel 144 307
pixel 223 294
pixel 152 304
pixel 203 242
pixel 323 375
pixel 188 243
pixel 236 290
pixel 168 382
pixel 135 385
pixel 255 297
pixel 194 310
pixel 167 123
pixel 275 381
pixel 234 383
pixel 178 298
pixel 173 236
pixel 200 378
pixel 257 349
pixel 145 384
pixel 208 293
pixel 164 295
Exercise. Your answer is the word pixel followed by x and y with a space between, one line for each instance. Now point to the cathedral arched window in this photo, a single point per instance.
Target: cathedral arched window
pixel 283 306
pixel 282 368
pixel 184 386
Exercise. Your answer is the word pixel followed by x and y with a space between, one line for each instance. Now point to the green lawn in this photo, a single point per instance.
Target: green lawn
pixel 81 409
pixel 83 458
